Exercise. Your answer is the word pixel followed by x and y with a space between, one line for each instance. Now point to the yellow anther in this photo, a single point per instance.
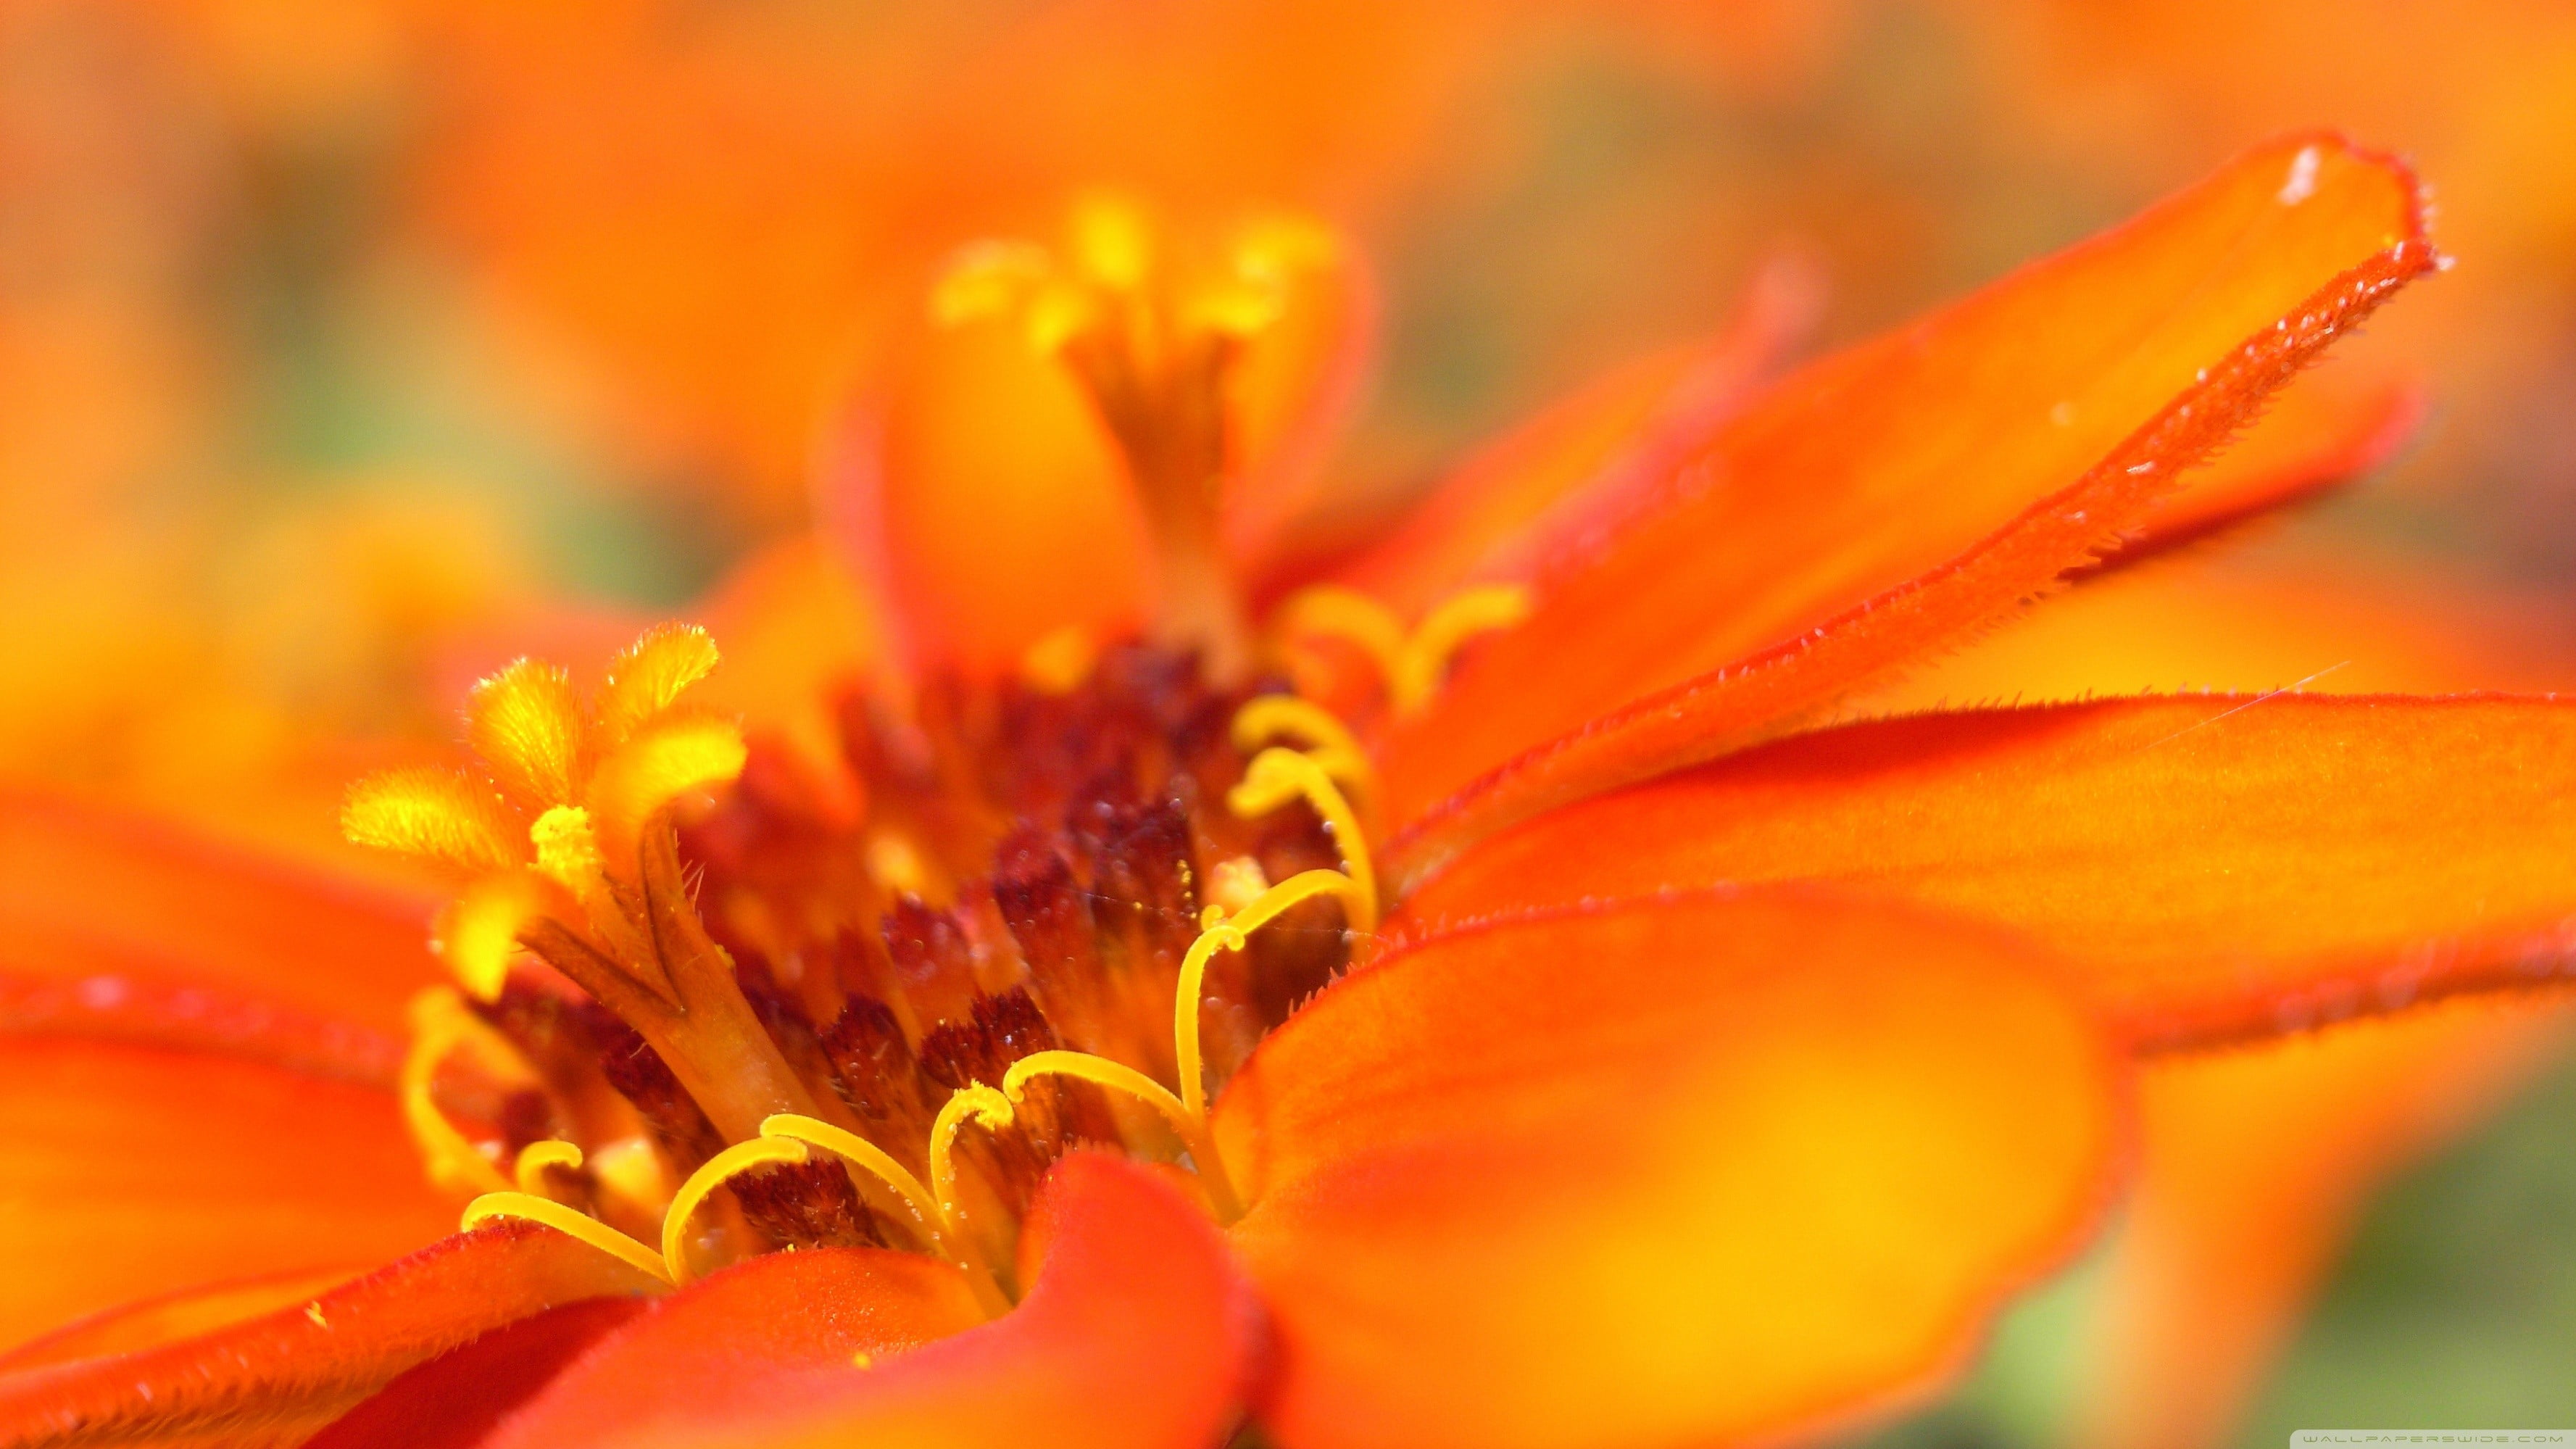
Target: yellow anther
pixel 440 1026
pixel 1221 933
pixel 863 1359
pixel 567 851
pixel 1278 776
pixel 536 1157
pixel 1119 1077
pixel 1425 661
pixel 1058 663
pixel 732 1162
pixel 1266 718
pixel 975 1100
pixel 572 1224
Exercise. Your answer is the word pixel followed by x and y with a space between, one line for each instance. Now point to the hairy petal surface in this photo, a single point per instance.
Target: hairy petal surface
pixel 128 1172
pixel 1708 1168
pixel 2328 428
pixel 455 1401
pixel 1893 497
pixel 274 1380
pixel 2223 867
pixel 1136 1333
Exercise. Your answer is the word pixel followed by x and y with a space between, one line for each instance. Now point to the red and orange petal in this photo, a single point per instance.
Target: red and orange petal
pixel 1883 501
pixel 1136 1333
pixel 2327 428
pixel 91 893
pixel 1716 1167
pixel 135 1171
pixel 270 1382
pixel 727 1346
pixel 2224 867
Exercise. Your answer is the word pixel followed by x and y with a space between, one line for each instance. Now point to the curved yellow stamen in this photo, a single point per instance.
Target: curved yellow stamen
pixel 860 1152
pixel 1229 934
pixel 1413 662
pixel 986 1106
pixel 1347 614
pixel 536 1157
pixel 733 1161
pixel 1279 775
pixel 851 1147
pixel 1265 718
pixel 1119 1077
pixel 1424 660
pixel 564 1220
pixel 441 1025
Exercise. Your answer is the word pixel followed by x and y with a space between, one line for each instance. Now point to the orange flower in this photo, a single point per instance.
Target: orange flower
pixel 1544 1045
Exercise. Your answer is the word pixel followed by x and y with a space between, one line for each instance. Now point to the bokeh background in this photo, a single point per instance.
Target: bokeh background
pixel 349 346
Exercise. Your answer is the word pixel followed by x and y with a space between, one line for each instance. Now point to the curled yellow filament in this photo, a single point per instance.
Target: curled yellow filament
pixel 536 1157
pixel 572 1224
pixel 1412 663
pixel 984 1105
pixel 440 1027
pixel 1119 1077
pixel 732 1162
pixel 1278 776
pixel 1267 718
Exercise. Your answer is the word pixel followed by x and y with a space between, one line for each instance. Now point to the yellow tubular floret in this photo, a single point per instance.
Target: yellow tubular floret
pixel 1266 718
pixel 732 1162
pixel 647 677
pixel 1425 659
pixel 507 1204
pixel 441 1026
pixel 536 1157
pixel 526 723
pixel 435 815
pixel 975 1100
pixel 1278 776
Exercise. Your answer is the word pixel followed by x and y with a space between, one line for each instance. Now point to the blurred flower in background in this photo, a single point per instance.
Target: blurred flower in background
pixel 350 349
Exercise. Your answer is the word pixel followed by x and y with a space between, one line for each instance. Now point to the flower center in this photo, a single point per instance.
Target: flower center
pixel 1057 926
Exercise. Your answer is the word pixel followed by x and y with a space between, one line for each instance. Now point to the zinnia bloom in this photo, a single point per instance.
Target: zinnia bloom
pixel 1536 1028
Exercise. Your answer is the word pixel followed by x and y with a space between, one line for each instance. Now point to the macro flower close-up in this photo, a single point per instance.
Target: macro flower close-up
pixel 725 763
